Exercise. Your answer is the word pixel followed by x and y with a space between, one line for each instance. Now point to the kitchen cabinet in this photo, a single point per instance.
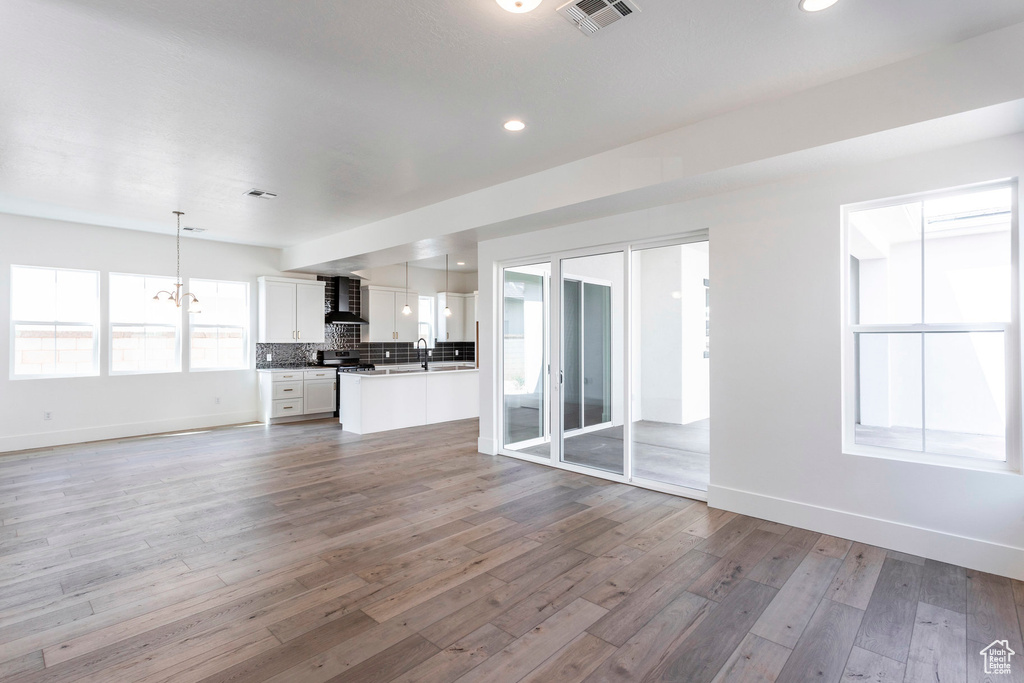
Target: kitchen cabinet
pixel 291 311
pixel 382 308
pixel 380 403
pixel 318 396
pixel 461 325
pixel 291 395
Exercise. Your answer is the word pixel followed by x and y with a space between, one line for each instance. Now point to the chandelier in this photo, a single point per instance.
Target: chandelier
pixel 177 296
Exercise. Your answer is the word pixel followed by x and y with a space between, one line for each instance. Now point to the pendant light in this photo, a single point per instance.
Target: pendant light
pixel 405 309
pixel 177 296
pixel 447 311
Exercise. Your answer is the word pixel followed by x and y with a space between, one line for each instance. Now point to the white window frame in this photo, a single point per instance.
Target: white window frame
pixel 433 314
pixel 246 333
pixel 95 325
pixel 111 325
pixel 1011 336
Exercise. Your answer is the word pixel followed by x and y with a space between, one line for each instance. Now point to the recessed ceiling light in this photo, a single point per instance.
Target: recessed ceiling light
pixel 519 6
pixel 460 263
pixel 514 126
pixel 816 5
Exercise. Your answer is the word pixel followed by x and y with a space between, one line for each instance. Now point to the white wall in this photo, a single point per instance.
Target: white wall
pixel 90 408
pixel 776 375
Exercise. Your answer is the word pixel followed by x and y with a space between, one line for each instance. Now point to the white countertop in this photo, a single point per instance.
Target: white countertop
pixel 407 370
pixel 297 369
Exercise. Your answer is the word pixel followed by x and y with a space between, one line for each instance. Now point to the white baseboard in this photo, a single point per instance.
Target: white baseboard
pixel 972 553
pixel 487 446
pixel 23 442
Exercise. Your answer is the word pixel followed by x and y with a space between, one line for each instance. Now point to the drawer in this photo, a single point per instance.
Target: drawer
pixel 287 407
pixel 287 376
pixel 287 390
pixel 320 374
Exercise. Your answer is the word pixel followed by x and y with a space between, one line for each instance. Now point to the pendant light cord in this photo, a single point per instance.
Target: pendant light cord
pixel 178 247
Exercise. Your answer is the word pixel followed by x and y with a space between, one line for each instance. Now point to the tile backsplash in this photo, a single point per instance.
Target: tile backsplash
pixel 347 337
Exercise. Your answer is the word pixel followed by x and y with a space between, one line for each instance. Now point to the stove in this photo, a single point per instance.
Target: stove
pixel 344 361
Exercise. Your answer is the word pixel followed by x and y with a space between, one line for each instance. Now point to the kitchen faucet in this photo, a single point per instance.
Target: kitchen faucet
pixel 425 353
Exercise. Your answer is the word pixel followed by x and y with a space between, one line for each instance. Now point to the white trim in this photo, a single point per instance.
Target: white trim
pixel 671 489
pixel 973 553
pixel 528 457
pixel 486 446
pixel 22 442
pixel 929 328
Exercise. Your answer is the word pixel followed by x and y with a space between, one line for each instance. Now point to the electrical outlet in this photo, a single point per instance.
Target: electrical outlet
pixel 269 356
pixel 456 352
pixel 430 354
pixel 47 415
pixel 216 400
pixel 387 354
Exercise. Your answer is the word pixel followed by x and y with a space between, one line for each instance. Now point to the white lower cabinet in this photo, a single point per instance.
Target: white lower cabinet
pixel 380 403
pixel 290 395
pixel 318 396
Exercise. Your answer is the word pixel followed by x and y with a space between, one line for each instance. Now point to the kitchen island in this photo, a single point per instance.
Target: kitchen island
pixel 394 398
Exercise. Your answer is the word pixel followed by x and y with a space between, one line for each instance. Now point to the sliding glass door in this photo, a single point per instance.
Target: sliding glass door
pixel 670 414
pixel 525 360
pixel 606 363
pixel 591 361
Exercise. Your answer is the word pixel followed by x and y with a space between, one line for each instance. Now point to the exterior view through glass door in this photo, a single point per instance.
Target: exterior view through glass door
pixel 605 363
pixel 525 362
pixel 670 365
pixel 592 313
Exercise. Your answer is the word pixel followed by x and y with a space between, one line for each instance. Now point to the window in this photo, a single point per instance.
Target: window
pixel 220 332
pixel 145 334
pixel 426 320
pixel 54 322
pixel 931 330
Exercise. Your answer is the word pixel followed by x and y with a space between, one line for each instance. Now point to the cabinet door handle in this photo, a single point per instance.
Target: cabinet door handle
pixel 299 333
pixel 287 407
pixel 289 390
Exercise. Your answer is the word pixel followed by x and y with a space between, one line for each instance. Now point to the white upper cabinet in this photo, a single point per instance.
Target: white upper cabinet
pixel 309 312
pixel 461 325
pixel 290 311
pixel 382 308
pixel 407 326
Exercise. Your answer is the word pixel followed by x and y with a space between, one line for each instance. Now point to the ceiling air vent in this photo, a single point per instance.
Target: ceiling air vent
pixel 262 194
pixel 187 228
pixel 590 16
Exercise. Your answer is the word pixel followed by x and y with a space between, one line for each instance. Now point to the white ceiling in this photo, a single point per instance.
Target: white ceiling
pixel 467 258
pixel 116 112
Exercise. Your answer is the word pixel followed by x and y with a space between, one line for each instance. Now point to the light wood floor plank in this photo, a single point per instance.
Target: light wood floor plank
pixel 303 554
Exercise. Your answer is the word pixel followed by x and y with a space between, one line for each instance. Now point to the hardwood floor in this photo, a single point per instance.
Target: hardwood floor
pixel 301 553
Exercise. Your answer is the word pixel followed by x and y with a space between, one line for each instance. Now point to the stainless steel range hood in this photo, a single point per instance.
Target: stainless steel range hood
pixel 340 313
